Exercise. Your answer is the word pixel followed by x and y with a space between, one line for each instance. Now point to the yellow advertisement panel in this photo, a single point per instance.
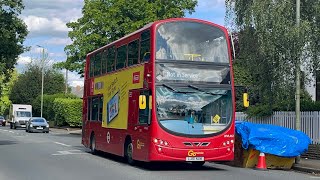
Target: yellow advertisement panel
pixel 115 90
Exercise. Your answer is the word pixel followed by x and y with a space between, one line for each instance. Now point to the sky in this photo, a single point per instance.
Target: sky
pixel 46 21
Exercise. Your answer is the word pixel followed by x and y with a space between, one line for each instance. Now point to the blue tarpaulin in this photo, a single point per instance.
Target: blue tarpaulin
pixel 272 139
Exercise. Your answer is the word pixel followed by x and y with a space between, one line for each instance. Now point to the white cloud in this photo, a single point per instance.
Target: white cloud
pixel 74 79
pixel 62 9
pixel 209 5
pixel 49 18
pixel 58 41
pixel 44 26
pixel 24 60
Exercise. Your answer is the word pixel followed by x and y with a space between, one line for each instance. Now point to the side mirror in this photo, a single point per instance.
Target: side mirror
pixel 245 100
pixel 142 102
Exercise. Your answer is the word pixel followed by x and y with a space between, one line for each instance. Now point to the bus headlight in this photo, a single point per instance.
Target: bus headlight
pixel 160 142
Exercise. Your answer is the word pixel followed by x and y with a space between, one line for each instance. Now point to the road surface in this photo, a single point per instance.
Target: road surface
pixel 58 155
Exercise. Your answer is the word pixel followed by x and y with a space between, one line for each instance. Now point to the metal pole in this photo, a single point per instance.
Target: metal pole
pixel 66 91
pixel 298 79
pixel 42 77
pixel 298 75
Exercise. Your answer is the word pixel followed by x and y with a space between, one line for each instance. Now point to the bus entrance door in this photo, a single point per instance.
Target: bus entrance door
pixel 140 126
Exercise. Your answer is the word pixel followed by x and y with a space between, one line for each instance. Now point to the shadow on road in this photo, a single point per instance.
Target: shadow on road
pixel 175 166
pixel 160 166
pixel 7 142
pixel 66 135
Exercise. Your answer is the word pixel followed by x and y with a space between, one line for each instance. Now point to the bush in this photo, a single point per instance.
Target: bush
pixel 48 100
pixel 68 112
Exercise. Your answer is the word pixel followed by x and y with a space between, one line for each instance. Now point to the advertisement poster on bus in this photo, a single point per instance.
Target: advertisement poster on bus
pixel 113 107
pixel 115 91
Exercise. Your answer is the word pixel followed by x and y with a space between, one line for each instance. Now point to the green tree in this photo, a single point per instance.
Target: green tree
pixel 6 87
pixel 272 47
pixel 13 32
pixel 104 21
pixel 28 85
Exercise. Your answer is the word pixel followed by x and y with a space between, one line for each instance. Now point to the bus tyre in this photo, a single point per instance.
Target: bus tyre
pixel 129 153
pixel 198 163
pixel 93 145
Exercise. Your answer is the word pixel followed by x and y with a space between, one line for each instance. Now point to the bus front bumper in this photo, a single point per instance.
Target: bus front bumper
pixel 163 153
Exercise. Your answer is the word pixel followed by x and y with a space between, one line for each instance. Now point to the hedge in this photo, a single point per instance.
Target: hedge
pixel 68 112
pixel 48 100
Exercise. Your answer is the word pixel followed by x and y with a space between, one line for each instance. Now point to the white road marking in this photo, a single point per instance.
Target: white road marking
pixel 314 177
pixel 11 131
pixel 5 130
pixel 69 152
pixel 63 144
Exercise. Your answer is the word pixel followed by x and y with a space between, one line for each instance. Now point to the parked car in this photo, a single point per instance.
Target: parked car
pixel 2 121
pixel 37 124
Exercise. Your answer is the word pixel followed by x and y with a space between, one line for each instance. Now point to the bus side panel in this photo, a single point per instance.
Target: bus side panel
pixel 112 141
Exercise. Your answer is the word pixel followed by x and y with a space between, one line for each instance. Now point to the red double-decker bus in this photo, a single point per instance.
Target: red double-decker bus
pixel 162 93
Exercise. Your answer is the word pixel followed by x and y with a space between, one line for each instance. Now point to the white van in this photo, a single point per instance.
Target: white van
pixel 19 115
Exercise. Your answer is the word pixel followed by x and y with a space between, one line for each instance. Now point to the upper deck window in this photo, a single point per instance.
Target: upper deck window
pixel 97 64
pixel 104 61
pixel 121 57
pixel 145 46
pixel 191 41
pixel 111 59
pixel 133 53
pixel 92 57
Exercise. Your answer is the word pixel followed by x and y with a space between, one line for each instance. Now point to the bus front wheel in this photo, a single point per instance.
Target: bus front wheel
pixel 129 153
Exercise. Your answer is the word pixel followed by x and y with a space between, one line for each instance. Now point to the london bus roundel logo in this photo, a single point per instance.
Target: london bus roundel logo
pixel 108 137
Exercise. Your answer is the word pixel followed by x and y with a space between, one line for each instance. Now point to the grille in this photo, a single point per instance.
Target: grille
pixel 196 143
pixel 35 127
pixel 22 122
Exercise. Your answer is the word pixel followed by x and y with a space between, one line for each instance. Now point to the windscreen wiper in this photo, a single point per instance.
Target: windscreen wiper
pixel 201 90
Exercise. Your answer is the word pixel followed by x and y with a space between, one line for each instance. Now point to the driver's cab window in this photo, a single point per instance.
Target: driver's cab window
pixel 144 113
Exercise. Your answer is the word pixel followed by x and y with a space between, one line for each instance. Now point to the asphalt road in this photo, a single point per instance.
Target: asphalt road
pixel 58 155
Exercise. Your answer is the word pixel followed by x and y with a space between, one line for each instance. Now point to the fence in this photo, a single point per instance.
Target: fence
pixel 310 122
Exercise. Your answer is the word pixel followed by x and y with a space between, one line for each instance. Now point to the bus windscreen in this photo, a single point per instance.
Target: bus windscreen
pixel 191 41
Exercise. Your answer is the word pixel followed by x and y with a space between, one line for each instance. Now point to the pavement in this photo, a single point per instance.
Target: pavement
pixel 304 165
pixel 74 131
pixel 308 166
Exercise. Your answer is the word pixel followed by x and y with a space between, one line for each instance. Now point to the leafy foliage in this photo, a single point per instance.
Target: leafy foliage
pixel 273 48
pixel 48 103
pixel 13 32
pixel 104 21
pixel 68 112
pixel 6 87
pixel 28 85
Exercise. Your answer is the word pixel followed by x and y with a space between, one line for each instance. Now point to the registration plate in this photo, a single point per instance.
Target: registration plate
pixel 194 158
pixel 39 128
pixel 23 125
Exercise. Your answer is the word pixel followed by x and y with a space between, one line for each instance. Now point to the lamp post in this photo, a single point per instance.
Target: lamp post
pixel 42 77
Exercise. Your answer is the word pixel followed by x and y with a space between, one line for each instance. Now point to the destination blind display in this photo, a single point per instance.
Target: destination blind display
pixel 176 72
